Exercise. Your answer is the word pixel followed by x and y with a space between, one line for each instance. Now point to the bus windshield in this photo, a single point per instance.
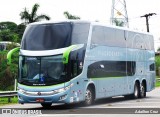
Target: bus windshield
pixel 42 70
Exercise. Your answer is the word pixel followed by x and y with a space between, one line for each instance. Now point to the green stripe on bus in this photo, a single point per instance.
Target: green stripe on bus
pixel 67 52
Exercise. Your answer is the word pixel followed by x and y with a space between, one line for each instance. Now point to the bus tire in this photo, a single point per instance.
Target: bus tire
pixel 143 91
pixel 46 105
pixel 136 93
pixel 89 97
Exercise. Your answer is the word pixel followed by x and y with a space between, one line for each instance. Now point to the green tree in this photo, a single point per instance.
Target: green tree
pixel 8 32
pixel 157 62
pixel 69 16
pixel 20 30
pixel 7 35
pixel 118 22
pixel 8 73
pixel 3 67
pixel 8 25
pixel 32 17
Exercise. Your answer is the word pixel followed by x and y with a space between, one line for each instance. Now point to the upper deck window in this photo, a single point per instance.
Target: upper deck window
pixel 47 36
pixel 107 36
pixel 54 36
pixel 80 33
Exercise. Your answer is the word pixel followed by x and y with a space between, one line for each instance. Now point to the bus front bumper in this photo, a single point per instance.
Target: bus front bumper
pixel 41 98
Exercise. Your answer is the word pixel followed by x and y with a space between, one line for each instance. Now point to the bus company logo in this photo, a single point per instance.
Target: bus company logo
pixel 20 112
pixel 6 111
pixel 39 93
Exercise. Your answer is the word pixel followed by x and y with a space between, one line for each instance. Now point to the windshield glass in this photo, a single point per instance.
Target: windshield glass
pixel 47 36
pixel 54 35
pixel 42 70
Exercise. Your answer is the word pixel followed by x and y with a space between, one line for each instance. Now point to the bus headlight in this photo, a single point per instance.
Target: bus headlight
pixel 63 89
pixel 21 90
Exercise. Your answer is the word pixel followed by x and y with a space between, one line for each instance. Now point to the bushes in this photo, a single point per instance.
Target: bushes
pixel 157 61
pixel 8 73
pixel 9 31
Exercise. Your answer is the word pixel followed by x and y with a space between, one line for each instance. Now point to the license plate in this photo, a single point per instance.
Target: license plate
pixel 40 100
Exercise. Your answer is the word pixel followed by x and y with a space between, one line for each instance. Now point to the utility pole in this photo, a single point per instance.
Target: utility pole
pixel 147 16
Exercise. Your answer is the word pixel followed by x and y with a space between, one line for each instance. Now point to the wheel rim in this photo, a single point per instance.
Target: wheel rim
pixel 142 91
pixel 136 92
pixel 88 97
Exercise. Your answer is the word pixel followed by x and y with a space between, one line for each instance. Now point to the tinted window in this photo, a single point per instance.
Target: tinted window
pixel 98 37
pixel 76 61
pixel 152 67
pixel 107 36
pixel 80 33
pixel 111 69
pixel 54 36
pixel 103 36
pixel 47 36
pixel 131 68
pixel 42 70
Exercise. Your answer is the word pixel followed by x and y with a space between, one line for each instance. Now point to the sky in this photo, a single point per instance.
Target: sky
pixel 92 10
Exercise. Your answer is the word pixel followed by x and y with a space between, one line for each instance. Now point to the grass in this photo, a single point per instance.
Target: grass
pixel 157 82
pixel 4 101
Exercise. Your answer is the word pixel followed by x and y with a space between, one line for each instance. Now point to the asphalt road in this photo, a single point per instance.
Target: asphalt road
pixel 116 106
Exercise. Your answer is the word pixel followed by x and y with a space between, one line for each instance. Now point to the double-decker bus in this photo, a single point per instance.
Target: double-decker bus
pixel 75 61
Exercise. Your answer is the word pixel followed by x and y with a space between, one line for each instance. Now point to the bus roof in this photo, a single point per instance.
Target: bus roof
pixel 118 27
pixel 92 23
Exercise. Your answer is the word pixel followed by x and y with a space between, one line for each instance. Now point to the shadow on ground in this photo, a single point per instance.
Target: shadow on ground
pixel 107 101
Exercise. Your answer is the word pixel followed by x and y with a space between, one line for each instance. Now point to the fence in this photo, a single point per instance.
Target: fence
pixel 8 94
pixel 158 79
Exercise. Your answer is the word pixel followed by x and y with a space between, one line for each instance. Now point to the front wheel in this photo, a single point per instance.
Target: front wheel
pixel 46 105
pixel 89 97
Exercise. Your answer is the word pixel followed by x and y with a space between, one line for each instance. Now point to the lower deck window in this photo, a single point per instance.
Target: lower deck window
pixel 105 69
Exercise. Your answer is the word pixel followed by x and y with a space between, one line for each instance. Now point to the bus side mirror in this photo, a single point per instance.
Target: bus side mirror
pixel 66 53
pixel 9 55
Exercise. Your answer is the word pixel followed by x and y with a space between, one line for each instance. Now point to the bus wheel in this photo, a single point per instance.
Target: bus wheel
pixel 142 91
pixel 136 93
pixel 46 105
pixel 89 97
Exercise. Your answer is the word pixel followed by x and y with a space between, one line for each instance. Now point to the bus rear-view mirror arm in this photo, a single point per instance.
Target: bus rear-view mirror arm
pixel 10 53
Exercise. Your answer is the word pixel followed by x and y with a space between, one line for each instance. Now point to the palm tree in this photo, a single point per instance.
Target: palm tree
pixel 32 17
pixel 69 16
pixel 119 23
